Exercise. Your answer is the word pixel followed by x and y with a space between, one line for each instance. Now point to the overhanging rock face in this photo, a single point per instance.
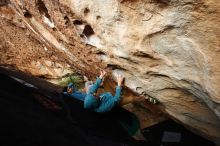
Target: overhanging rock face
pixel 166 49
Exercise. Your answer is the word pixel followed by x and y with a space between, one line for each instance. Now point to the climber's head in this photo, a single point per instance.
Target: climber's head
pixel 70 88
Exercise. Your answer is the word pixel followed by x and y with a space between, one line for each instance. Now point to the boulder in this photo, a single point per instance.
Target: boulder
pixel 166 49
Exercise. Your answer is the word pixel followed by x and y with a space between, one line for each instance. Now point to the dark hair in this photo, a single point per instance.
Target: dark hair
pixel 65 89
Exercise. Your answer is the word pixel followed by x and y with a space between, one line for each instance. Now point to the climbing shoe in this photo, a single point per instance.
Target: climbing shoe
pixel 153 100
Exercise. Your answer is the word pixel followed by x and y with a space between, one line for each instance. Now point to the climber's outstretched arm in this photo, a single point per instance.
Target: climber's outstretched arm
pixel 111 101
pixel 95 87
pixel 120 80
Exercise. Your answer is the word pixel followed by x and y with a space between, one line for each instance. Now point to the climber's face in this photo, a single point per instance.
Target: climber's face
pixel 70 89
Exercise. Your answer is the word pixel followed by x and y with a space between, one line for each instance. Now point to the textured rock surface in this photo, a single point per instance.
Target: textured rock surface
pixel 167 49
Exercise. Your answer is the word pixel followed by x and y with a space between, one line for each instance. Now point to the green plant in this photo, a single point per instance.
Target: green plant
pixel 76 79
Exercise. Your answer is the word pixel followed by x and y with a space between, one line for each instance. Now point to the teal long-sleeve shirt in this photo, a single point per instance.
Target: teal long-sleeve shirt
pixel 106 101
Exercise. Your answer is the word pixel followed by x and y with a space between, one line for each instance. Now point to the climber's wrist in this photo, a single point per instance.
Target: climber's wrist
pixel 119 84
pixel 101 77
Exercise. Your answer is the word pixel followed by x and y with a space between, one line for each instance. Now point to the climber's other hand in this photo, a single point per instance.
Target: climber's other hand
pixel 102 74
pixel 120 80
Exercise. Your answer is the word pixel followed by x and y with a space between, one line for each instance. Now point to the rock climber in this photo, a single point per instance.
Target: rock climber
pixel 97 102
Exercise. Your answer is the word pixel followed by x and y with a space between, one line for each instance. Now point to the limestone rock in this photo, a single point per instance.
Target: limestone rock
pixel 166 49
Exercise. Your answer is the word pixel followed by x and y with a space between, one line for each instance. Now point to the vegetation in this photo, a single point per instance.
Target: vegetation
pixel 76 79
